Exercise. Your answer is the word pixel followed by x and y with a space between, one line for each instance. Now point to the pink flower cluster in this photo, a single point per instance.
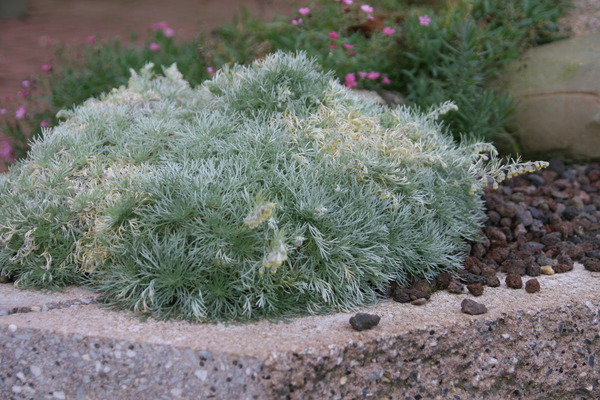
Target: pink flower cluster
pixel 302 11
pixel 351 82
pixel 211 70
pixel 424 20
pixel 7 153
pixel 333 35
pixel 162 26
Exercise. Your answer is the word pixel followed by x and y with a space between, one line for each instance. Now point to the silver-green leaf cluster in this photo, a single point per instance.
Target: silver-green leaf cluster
pixel 268 191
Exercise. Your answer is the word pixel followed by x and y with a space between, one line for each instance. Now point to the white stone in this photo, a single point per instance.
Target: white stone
pixel 35 370
pixel 12 328
pixel 201 374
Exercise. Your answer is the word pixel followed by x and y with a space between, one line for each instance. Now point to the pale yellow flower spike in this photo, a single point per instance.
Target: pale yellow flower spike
pixel 261 214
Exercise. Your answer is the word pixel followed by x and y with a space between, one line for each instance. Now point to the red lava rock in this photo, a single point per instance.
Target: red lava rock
pixel 565 259
pixel 456 287
pixel 513 267
pixel 585 198
pixel 520 230
pixel 533 269
pixel 594 175
pixel 493 281
pixel 473 265
pixel 576 252
pixel 499 254
pixel 548 175
pixel 488 271
pixel 532 286
pixel 505 221
pixel 560 268
pixel 565 228
pixel 363 321
pixel 471 307
pixel 443 280
pixel 495 233
pixel 514 281
pixel 476 289
pixel 478 250
pixel 408 295
pixel 468 278
pixel 422 285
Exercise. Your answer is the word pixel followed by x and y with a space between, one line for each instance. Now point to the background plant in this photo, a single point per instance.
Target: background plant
pixel 448 50
pixel 268 191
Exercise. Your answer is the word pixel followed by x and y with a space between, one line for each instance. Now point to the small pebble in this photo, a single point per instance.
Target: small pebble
pixel 547 270
pixel 363 321
pixel 12 328
pixel 532 286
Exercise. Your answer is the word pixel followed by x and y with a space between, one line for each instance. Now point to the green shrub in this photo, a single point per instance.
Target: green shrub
pixel 268 191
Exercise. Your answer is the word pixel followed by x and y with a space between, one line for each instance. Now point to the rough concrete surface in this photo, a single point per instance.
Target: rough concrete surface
pixel 528 346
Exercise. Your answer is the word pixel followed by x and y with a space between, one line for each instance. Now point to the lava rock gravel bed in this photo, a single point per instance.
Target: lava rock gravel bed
pixel 539 223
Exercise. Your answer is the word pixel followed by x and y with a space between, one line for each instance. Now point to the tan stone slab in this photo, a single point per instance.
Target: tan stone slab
pixel 260 339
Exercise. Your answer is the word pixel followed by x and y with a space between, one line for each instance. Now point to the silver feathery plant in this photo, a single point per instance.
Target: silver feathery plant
pixel 268 191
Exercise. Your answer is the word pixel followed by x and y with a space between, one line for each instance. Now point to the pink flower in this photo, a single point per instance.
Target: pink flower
pixel 424 20
pixel 91 39
pixel 159 26
pixel 333 35
pixel 168 32
pixel 297 21
pixel 26 83
pixel 210 70
pixel 6 151
pixel 350 81
pixel 370 17
pixel 385 80
pixel 2 111
pixel 304 11
pixel 333 46
pixel 348 46
pixel 351 53
pixel 21 112
pixel 388 31
pixel 46 67
pixel 45 123
pixel 154 46
pixel 373 75
pixel 366 8
pixel 348 2
pixel 362 75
